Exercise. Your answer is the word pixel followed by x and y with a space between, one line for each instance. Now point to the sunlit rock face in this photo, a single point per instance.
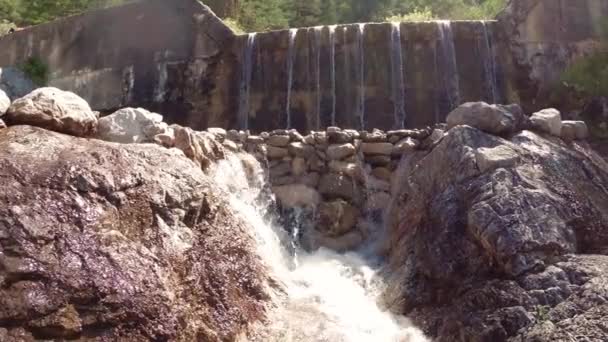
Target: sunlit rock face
pixel 492 238
pixel 107 241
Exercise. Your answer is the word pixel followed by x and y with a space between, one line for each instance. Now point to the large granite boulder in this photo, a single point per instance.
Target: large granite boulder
pixel 131 125
pixel 491 237
pixel 108 242
pixel 53 109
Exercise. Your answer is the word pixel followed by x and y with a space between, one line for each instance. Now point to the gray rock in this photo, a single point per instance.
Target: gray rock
pixel 381 148
pixel 55 110
pixel 282 169
pixel 547 121
pixel 489 158
pixel 299 149
pixel 377 160
pixel 276 152
pixel 336 218
pixel 336 186
pixel 407 145
pixel 218 132
pixel 2 124
pixel 374 137
pixel 296 196
pixel 310 179
pixel 298 166
pixel 469 241
pixel 352 170
pixel 338 152
pixel 494 119
pixel 131 125
pixel 278 140
pixel 574 130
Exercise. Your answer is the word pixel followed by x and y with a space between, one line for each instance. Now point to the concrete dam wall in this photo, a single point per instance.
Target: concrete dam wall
pixel 179 59
pixel 363 76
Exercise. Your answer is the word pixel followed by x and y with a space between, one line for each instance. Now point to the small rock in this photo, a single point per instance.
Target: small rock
pixel 255 139
pixel 337 152
pixel 493 158
pixel 231 145
pixel 336 218
pixel 165 139
pixel 299 149
pixel 282 169
pixel 335 185
pixel 310 179
pixel 374 137
pixel 309 139
pixel 407 145
pixel 339 137
pixel 378 201
pixel 382 173
pixel 320 138
pixel 276 152
pixel 574 130
pixel 378 160
pixel 380 148
pixel 350 169
pixel 218 132
pixel 278 140
pixel 296 136
pixel 283 180
pixel 296 195
pixel 548 121
pixel 298 166
pixel 131 126
pixel 2 124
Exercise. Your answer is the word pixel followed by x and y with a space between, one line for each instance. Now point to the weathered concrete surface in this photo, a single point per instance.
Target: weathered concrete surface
pixel 545 36
pixel 162 55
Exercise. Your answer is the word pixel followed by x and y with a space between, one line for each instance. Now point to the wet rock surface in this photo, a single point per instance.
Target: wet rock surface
pixel 501 238
pixel 103 241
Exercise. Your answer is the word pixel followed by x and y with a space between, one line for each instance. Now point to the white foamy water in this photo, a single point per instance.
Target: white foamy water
pixel 328 296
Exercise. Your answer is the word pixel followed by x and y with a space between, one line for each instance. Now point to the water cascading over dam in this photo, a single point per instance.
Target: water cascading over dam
pixel 327 296
pixel 365 76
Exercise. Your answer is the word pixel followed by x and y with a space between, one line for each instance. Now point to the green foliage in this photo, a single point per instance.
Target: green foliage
pixel 36 70
pixel 417 15
pixel 32 12
pixel 589 75
pixel 234 25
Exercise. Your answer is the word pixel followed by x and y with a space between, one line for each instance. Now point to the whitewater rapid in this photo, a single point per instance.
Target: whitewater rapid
pixel 329 296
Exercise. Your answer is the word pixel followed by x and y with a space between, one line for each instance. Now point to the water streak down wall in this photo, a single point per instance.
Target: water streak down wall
pixel 378 75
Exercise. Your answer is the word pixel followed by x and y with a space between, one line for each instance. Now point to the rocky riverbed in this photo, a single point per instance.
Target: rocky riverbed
pixel 491 227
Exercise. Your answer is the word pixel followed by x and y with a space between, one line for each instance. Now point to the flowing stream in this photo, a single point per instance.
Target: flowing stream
pixel 328 296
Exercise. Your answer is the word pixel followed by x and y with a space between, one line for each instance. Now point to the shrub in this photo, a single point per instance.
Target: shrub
pixel 589 75
pixel 36 70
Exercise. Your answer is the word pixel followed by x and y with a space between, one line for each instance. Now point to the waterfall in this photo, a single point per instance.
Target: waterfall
pixel 290 61
pixel 245 85
pixel 328 296
pixel 398 82
pixel 450 76
pixel 360 37
pixel 332 67
pixel 317 44
pixel 489 62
